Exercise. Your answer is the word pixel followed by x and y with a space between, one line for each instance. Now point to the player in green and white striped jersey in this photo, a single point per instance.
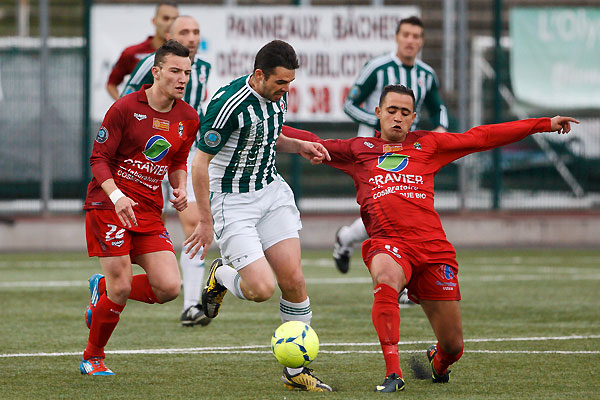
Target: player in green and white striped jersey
pixel 241 129
pixel 186 31
pixel 256 221
pixel 400 67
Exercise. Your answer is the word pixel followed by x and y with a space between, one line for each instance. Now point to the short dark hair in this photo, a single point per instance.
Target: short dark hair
pixel 397 89
pixel 276 53
pixel 413 20
pixel 170 47
pixel 169 3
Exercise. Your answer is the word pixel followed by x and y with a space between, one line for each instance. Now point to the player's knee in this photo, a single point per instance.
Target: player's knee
pixel 387 278
pixel 119 291
pixel 262 291
pixel 168 292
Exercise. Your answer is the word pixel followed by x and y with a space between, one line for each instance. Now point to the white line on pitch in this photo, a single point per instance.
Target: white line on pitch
pixel 517 263
pixel 466 351
pixel 34 284
pixel 192 351
pixel 330 281
pixel 250 349
pixel 83 263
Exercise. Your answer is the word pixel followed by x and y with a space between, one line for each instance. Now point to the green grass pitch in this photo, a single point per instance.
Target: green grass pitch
pixel 531 321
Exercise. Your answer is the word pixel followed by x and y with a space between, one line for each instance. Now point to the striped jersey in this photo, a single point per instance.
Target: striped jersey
pixel 387 69
pixel 240 129
pixel 195 91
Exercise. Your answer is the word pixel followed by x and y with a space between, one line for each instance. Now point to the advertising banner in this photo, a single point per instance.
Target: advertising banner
pixel 332 43
pixel 555 58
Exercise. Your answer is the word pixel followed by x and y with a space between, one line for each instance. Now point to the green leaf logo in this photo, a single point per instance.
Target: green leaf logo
pixel 156 148
pixel 393 162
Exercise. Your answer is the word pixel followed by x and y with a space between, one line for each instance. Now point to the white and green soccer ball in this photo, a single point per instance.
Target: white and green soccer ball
pixel 295 344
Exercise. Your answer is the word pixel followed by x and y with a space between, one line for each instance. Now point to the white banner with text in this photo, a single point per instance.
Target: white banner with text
pixel 332 43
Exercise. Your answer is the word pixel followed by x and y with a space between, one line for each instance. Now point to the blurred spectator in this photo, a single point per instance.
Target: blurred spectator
pixel 166 12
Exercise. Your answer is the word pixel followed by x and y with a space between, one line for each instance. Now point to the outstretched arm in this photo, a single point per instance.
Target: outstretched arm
pixel 300 134
pixel 316 153
pixel 561 124
pixel 451 146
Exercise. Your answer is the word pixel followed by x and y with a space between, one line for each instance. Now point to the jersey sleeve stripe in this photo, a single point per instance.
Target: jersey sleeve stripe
pixel 143 70
pixel 192 86
pixel 359 114
pixel 370 67
pixel 444 117
pixel 229 107
pixel 425 66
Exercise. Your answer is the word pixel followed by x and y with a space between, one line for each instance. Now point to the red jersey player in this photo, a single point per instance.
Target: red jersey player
pixel 166 12
pixel 144 135
pixel 394 175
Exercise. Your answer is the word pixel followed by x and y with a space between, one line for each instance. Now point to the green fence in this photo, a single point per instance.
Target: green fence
pixel 531 178
pixel 22 126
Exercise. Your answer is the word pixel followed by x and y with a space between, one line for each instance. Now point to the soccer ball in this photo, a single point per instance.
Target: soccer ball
pixel 295 344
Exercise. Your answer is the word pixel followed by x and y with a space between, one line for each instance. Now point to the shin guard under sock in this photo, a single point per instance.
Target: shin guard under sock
pixel 386 319
pixel 106 317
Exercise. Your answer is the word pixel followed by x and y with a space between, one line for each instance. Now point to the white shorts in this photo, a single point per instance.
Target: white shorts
pixel 246 224
pixel 168 190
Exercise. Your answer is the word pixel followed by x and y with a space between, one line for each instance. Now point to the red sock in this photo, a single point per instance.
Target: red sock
pixel 106 317
pixel 386 319
pixel 141 290
pixel 443 360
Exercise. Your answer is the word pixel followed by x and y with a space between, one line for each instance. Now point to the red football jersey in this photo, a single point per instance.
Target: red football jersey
pixel 129 58
pixel 137 146
pixel 394 181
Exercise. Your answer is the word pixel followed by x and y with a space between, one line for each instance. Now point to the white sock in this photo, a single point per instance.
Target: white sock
pixel 193 278
pixel 353 233
pixel 295 311
pixel 294 371
pixel 229 277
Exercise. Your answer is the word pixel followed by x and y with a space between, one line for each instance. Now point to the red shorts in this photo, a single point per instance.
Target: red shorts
pixel 107 237
pixel 430 267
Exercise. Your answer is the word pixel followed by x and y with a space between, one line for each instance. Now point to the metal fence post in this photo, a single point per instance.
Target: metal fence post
pixel 45 142
pixel 85 142
pixel 463 94
pixel 498 111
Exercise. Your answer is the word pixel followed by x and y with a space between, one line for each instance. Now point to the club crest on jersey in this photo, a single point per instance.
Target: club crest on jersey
pixel 160 124
pixel 212 138
pixel 102 135
pixel 354 92
pixel 392 162
pixel 417 145
pixel 392 148
pixel 180 129
pixel 156 148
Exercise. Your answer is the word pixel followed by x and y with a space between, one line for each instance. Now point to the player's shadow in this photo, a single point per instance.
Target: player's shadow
pixel 420 369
